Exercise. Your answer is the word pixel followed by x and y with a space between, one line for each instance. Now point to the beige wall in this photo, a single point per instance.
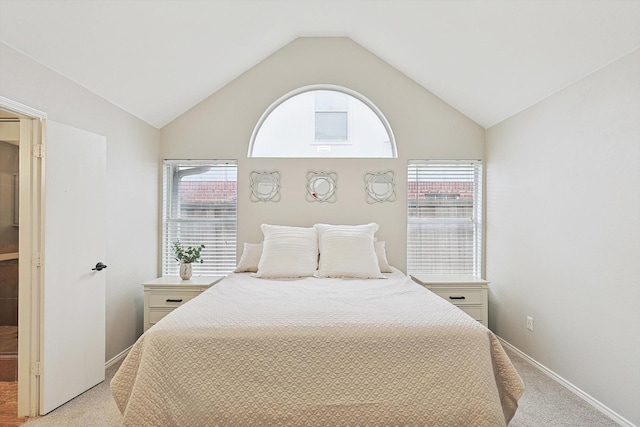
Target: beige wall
pixel 563 233
pixel 132 183
pixel 425 127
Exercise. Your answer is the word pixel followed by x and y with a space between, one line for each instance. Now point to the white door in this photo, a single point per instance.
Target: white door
pixel 73 322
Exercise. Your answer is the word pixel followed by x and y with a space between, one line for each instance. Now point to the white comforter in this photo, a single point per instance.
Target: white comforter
pixel 317 352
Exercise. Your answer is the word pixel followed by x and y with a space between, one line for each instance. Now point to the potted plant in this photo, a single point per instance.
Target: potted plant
pixel 187 255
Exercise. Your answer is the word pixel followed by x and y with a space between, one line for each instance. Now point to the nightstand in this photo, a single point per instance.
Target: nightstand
pixel 469 293
pixel 164 294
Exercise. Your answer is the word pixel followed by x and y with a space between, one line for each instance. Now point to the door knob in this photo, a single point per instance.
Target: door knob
pixel 99 266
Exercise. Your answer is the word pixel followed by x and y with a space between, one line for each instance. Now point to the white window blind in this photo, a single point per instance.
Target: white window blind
pixel 331 116
pixel 331 126
pixel 444 217
pixel 200 207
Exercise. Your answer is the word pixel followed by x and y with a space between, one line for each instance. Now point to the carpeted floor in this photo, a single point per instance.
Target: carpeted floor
pixel 94 408
pixel 544 403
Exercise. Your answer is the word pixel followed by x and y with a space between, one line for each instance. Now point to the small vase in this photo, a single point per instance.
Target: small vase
pixel 185 270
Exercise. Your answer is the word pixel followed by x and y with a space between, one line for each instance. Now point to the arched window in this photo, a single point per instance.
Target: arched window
pixel 323 121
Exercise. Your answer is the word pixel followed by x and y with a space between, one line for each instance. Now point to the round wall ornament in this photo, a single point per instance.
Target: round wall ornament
pixel 380 187
pixel 321 186
pixel 265 186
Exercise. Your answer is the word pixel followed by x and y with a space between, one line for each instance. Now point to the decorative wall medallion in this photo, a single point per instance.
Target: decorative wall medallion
pixel 380 187
pixel 321 186
pixel 265 186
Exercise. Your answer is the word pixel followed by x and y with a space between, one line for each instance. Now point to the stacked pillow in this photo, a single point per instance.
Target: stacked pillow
pixel 324 250
pixel 381 253
pixel 348 251
pixel 250 258
pixel 288 252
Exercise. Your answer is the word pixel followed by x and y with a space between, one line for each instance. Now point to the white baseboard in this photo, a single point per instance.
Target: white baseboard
pixel 118 357
pixel 572 388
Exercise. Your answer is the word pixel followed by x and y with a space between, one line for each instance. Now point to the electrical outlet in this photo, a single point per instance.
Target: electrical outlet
pixel 530 323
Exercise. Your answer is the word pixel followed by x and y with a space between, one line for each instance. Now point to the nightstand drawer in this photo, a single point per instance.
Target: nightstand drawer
pixel 164 294
pixel 156 315
pixel 468 293
pixel 170 299
pixel 461 296
pixel 475 312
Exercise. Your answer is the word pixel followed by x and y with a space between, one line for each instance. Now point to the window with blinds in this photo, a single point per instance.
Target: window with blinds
pixel 322 121
pixel 444 217
pixel 200 207
pixel 331 116
pixel 331 126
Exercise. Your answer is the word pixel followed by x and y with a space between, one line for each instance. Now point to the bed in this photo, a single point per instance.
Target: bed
pixel 255 350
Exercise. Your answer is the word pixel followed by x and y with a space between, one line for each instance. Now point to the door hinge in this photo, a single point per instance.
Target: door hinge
pixel 38 151
pixel 37 259
pixel 35 368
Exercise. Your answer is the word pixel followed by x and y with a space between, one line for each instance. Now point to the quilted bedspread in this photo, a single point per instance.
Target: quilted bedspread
pixel 317 352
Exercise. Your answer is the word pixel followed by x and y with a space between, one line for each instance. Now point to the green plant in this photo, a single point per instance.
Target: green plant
pixel 187 254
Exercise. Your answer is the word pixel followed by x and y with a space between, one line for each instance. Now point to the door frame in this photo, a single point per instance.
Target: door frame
pixel 31 246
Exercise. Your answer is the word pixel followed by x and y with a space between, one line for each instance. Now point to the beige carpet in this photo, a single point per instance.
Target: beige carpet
pixel 547 403
pixel 544 403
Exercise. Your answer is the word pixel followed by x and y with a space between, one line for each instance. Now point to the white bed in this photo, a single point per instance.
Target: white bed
pixel 317 352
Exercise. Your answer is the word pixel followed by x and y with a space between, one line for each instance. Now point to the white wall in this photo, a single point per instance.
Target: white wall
pixel 563 233
pixel 132 183
pixel 425 127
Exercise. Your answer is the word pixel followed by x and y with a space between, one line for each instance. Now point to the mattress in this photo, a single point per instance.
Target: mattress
pixel 317 352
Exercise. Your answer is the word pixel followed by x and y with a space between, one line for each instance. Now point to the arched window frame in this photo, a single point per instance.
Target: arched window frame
pixel 309 88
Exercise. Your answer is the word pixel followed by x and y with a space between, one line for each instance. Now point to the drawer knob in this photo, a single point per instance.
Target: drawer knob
pixel 174 300
pixel 456 297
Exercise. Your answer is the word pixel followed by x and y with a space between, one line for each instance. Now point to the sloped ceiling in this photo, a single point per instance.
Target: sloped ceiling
pixel 156 59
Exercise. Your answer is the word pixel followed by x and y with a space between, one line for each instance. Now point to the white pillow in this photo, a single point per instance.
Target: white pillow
pixel 348 251
pixel 381 252
pixel 250 258
pixel 288 252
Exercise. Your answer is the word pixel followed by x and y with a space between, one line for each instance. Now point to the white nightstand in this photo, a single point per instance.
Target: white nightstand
pixel 469 293
pixel 164 294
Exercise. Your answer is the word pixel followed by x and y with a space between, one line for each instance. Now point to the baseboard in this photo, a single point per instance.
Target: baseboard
pixel 572 388
pixel 118 357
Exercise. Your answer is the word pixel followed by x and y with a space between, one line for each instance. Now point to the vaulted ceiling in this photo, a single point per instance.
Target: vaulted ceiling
pixel 156 59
